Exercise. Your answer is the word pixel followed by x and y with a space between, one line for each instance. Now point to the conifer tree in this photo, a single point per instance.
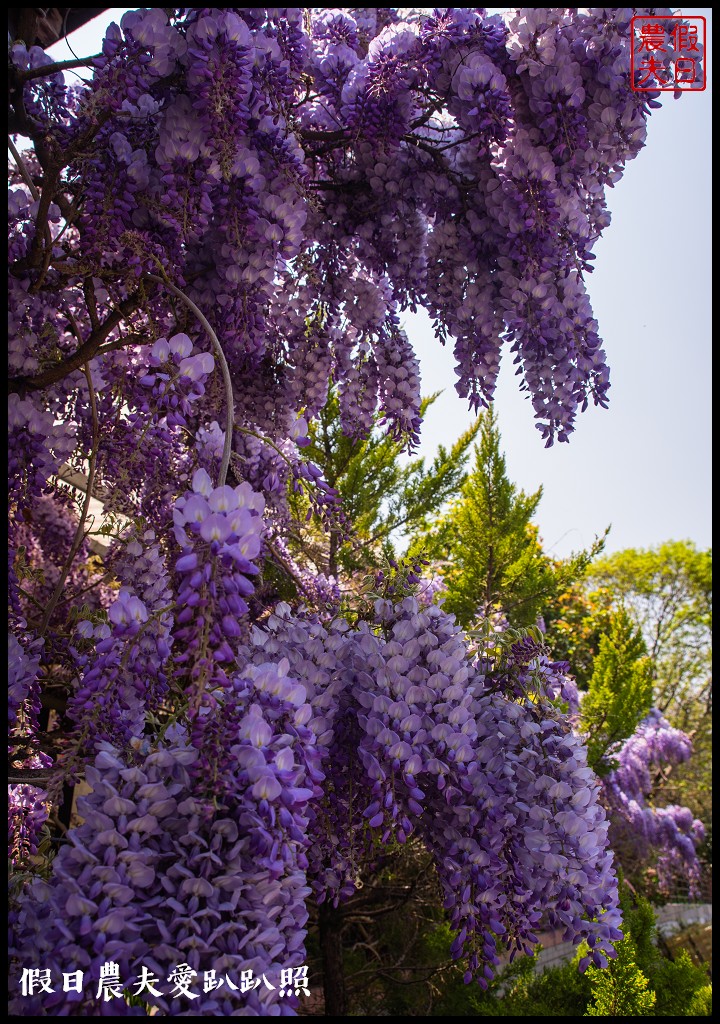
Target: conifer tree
pixel 488 548
pixel 383 495
pixel 620 692
pixel 667 592
pixel 620 989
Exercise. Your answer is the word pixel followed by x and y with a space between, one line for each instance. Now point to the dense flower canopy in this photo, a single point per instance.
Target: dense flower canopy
pixel 307 173
pixel 230 214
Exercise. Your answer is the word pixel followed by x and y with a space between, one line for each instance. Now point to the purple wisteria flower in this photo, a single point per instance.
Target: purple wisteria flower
pixel 302 177
pixel 670 835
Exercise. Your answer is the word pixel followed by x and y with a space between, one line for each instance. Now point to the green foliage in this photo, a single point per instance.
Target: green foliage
pixel 405 969
pixel 559 992
pixel 452 997
pixel 701 1003
pixel 487 547
pixel 674 574
pixel 667 592
pixel 621 989
pixel 575 622
pixel 676 982
pixel 517 991
pixel 639 922
pixel 620 691
pixel 382 496
pixel 642 981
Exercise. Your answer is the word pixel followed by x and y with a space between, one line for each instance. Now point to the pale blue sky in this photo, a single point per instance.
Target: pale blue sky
pixel 644 464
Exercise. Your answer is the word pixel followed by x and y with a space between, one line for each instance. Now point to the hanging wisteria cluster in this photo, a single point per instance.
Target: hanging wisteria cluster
pixel 231 214
pixel 670 833
pixel 329 742
pixel 469 754
pixel 308 173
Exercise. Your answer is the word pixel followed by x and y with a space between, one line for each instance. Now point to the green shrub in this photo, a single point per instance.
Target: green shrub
pixel 701 1003
pixel 621 989
pixel 676 982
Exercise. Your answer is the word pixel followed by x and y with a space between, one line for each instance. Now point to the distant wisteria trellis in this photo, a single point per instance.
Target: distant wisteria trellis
pixel 669 835
pixel 227 218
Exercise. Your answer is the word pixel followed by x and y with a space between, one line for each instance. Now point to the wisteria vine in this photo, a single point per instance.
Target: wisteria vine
pixel 229 216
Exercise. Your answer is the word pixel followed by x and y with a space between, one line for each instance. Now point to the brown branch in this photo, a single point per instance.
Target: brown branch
pixel 18 776
pixel 80 531
pixel 90 303
pixel 340 186
pixel 283 565
pixel 24 173
pixel 105 578
pixel 123 342
pixel 52 159
pixel 308 135
pixel 37 255
pixel 51 69
pixel 86 352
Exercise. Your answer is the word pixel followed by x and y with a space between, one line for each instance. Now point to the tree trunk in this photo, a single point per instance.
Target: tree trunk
pixel 330 921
